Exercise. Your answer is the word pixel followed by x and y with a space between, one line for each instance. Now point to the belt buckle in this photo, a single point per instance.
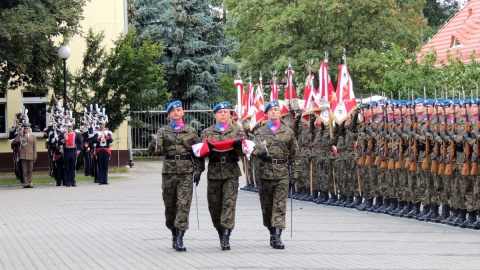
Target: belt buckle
pixel 274 161
pixel 177 157
pixel 223 159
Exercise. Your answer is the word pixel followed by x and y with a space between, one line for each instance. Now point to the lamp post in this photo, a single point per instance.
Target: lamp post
pixel 64 53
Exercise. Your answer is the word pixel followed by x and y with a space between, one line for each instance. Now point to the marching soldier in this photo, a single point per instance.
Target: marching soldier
pixel 223 172
pixel 71 142
pixel 175 141
pixel 277 149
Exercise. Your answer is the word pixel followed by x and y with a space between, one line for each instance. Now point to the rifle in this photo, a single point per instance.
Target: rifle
pixel 383 163
pixel 361 159
pixel 443 157
pixel 410 141
pixel 466 163
pixel 436 147
pixel 368 153
pixel 451 154
pixel 477 146
pixel 399 161
pixel 413 142
pixel 391 161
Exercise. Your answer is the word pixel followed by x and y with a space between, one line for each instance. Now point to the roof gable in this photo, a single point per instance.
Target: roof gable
pixel 461 33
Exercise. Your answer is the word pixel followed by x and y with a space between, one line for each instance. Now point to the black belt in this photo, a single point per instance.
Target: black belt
pixel 278 161
pixel 178 157
pixel 224 160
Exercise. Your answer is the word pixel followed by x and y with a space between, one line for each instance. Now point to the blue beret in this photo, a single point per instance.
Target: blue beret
pixel 403 103
pixel 220 106
pixel 428 102
pixel 439 101
pixel 174 104
pixel 476 101
pixel 457 101
pixel 273 103
pixel 467 101
pixel 419 101
pixel 374 103
pixel 447 102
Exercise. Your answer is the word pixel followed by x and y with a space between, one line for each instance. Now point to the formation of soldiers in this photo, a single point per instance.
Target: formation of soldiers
pixel 414 159
pixel 65 145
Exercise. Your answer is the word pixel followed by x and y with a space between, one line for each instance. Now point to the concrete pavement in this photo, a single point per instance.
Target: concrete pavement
pixel 121 226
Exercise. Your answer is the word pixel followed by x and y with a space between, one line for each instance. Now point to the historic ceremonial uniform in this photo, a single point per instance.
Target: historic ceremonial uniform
pixel 277 149
pixel 58 160
pixel 103 139
pixel 71 143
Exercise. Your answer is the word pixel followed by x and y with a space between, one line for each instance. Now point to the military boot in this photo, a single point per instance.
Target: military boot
pixel 472 217
pixel 452 217
pixel 461 217
pixel 277 240
pixel 332 200
pixel 340 200
pixel 296 193
pixel 321 198
pixel 366 204
pixel 378 204
pixel 444 214
pixel 179 241
pixel 393 206
pixel 408 207
pixel 356 202
pixel 421 216
pixel 225 243
pixel 415 210
pixel 219 230
pixel 304 196
pixel 433 214
pixel 400 206
pixel 271 230
pixel 476 224
pixel 383 208
pixel 348 201
pixel 324 198
pixel 174 236
pixel 313 197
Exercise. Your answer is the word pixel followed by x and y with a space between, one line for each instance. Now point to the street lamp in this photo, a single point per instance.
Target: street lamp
pixel 64 53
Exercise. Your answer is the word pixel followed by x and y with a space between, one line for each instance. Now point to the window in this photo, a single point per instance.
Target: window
pixel 37 110
pixel 455 42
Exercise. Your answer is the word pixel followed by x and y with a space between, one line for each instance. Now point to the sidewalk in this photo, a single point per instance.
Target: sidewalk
pixel 121 226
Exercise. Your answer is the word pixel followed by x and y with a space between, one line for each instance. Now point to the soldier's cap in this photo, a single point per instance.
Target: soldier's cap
pixel 273 103
pixel 220 106
pixel 439 101
pixel 467 101
pixel 457 102
pixel 374 103
pixel 69 122
pixel 393 103
pixel 382 102
pixel 403 103
pixel 102 119
pixel 174 104
pixel 26 125
pixel 428 102
pixel 419 101
pixel 476 101
pixel 447 102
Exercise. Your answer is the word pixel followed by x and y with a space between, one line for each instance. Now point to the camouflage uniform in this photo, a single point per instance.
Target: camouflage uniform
pixel 304 139
pixel 274 176
pixel 223 173
pixel 346 162
pixel 177 172
pixel 324 141
pixel 318 160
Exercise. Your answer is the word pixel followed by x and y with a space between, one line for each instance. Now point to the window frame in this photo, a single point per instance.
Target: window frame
pixel 36 100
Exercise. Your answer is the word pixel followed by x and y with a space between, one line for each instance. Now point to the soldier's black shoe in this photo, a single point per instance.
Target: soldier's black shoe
pixel 322 198
pixel 271 230
pixel 297 193
pixel 304 196
pixel 225 243
pixel 476 224
pixel 471 218
pixel 433 214
pixel 378 204
pixel 393 206
pixel 399 208
pixel 332 200
pixel 313 197
pixel 461 217
pixel 255 189
pixel 174 237
pixel 366 204
pixel 415 210
pixel 179 241
pixel 384 207
pixel 340 200
pixel 444 214
pixel 452 217
pixel 347 201
pixel 421 216
pixel 277 240
pixel 408 207
pixel 244 188
pixel 356 202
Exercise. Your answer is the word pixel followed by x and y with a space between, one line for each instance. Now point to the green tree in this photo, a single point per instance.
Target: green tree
pixel 438 13
pixel 272 31
pixel 128 74
pixel 194 45
pixel 27 50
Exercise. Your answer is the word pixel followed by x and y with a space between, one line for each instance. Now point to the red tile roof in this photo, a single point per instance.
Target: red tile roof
pixel 465 28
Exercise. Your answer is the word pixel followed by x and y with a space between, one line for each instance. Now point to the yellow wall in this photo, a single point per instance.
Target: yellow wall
pixel 100 15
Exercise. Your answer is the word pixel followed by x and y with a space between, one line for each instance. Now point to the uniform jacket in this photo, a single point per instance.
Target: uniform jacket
pixel 280 145
pixel 217 170
pixel 171 143
pixel 28 146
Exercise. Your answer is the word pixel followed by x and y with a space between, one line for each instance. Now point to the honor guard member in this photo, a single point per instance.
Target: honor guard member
pixel 20 119
pixel 57 149
pixel 48 134
pixel 277 149
pixel 87 157
pixel 223 172
pixel 175 141
pixel 28 152
pixel 72 145
pixel 103 139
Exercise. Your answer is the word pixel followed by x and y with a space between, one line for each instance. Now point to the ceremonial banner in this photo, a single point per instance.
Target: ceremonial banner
pixel 238 111
pixel 201 149
pixel 344 103
pixel 249 101
pixel 290 103
pixel 274 92
pixel 326 93
pixel 309 105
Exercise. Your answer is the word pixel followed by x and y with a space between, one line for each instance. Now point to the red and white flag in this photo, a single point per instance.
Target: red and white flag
pixel 258 105
pixel 258 97
pixel 290 103
pixel 309 103
pixel 239 107
pixel 344 103
pixel 274 92
pixel 249 108
pixel 325 93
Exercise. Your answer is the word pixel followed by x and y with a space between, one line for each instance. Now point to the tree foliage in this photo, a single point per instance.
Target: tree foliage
pixel 194 45
pixel 272 31
pixel 126 76
pixel 27 50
